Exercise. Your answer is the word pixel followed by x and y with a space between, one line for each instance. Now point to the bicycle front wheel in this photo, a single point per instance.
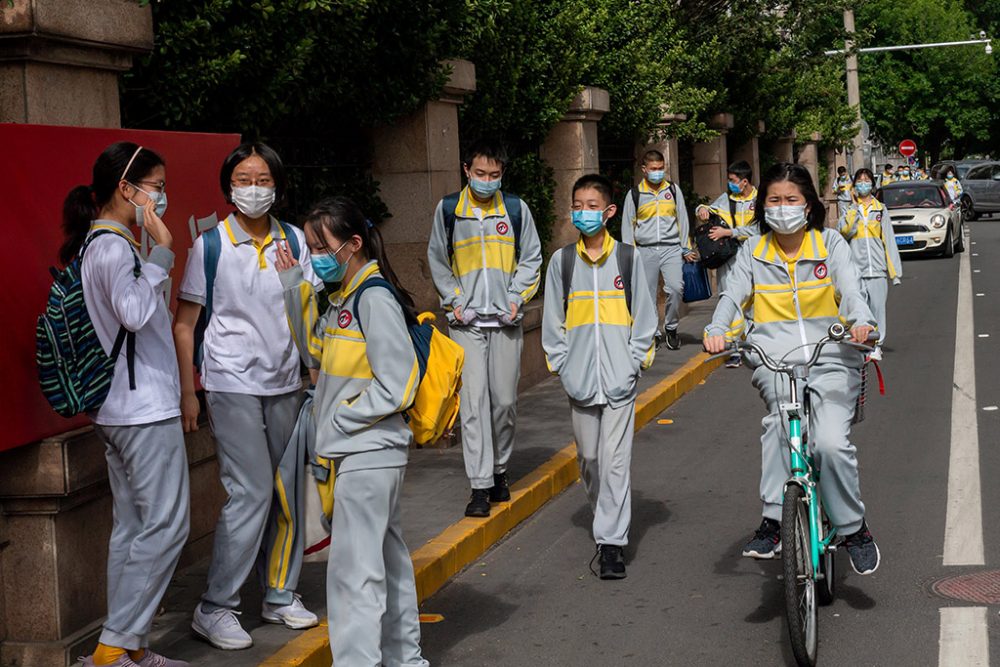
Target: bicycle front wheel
pixel 800 586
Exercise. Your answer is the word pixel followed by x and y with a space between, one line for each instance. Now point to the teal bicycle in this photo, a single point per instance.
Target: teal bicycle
pixel 807 536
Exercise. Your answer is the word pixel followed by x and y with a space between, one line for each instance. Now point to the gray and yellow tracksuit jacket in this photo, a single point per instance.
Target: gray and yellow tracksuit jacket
pixel 743 226
pixel 844 189
pixel 794 300
pixel 868 228
pixel 591 340
pixel 885 178
pixel 484 274
pixel 366 380
pixel 954 188
pixel 662 217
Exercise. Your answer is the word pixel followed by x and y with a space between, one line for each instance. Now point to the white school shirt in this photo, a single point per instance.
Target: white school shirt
pixel 116 297
pixel 248 347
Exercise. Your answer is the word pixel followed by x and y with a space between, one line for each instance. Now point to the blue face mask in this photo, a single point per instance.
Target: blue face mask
pixel 656 177
pixel 863 188
pixel 328 268
pixel 484 189
pixel 588 222
pixel 734 188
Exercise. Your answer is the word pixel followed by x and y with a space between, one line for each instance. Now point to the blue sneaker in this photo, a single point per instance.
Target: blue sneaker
pixel 864 553
pixel 766 542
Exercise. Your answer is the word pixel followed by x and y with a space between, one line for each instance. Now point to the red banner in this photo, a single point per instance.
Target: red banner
pixel 39 164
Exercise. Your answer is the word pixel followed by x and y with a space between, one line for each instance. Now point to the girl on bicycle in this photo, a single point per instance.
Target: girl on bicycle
pixel 866 224
pixel 800 278
pixel 368 377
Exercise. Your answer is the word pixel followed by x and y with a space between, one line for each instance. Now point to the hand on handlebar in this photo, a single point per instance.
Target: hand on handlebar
pixel 862 334
pixel 715 344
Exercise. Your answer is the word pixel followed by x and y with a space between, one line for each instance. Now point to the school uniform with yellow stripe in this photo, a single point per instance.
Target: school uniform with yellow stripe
pixel 368 377
pixel 795 300
pixel 598 348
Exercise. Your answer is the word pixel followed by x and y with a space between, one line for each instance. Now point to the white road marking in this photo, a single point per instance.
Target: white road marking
pixel 976 270
pixel 963 532
pixel 964 639
pixel 990 408
pixel 980 294
pixel 984 335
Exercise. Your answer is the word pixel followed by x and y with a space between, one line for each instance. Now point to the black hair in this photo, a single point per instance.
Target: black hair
pixel 864 171
pixel 265 153
pixel 740 169
pixel 653 155
pixel 344 219
pixel 800 176
pixel 595 182
pixel 841 169
pixel 888 166
pixel 486 149
pixel 84 202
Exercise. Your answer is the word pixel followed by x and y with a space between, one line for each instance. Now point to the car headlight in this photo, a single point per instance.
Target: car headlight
pixel 938 221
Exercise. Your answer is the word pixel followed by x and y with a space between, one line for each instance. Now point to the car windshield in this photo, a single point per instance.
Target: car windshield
pixel 925 196
pixel 963 169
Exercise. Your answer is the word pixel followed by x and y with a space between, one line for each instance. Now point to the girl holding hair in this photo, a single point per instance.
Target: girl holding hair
pixel 251 375
pixel 866 224
pixel 800 278
pixel 368 377
pixel 139 421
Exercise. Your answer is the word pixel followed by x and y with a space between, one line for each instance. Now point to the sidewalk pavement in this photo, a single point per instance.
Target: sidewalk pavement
pixel 435 493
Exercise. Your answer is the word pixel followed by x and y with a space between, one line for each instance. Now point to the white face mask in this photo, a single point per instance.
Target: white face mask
pixel 785 219
pixel 253 201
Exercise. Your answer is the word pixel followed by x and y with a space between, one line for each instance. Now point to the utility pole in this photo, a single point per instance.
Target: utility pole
pixel 853 91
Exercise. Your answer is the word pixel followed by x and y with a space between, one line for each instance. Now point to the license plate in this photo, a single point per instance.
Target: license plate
pixel 904 240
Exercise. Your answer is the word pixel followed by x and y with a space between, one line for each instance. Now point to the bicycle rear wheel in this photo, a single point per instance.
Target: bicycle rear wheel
pixel 800 587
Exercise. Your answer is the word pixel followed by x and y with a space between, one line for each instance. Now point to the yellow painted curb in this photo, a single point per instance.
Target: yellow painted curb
pixel 460 544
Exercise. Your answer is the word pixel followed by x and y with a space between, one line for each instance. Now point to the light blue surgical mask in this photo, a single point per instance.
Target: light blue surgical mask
pixel 484 189
pixel 328 267
pixel 159 204
pixel 588 222
pixel 863 188
pixel 734 188
pixel 656 177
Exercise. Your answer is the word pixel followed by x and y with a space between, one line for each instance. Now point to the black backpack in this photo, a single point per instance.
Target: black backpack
pixel 716 253
pixel 623 251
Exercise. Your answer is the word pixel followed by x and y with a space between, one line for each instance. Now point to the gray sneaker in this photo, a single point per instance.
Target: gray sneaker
pixel 221 629
pixel 123 661
pixel 864 553
pixel 673 340
pixel 150 659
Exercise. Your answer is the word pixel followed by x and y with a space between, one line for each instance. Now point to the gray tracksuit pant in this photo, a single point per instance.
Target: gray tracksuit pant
pixel 877 293
pixel 833 390
pixel 148 473
pixel 604 451
pixel 489 398
pixel 251 434
pixel 370 588
pixel 666 261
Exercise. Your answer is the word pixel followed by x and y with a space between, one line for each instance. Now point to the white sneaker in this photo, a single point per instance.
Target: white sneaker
pixel 876 354
pixel 221 629
pixel 294 615
pixel 123 661
pixel 150 659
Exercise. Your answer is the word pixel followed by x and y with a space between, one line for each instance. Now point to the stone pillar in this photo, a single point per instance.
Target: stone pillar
pixel 417 162
pixel 665 143
pixel 783 148
pixel 571 151
pixel 60 59
pixel 710 159
pixel 750 151
pixel 809 156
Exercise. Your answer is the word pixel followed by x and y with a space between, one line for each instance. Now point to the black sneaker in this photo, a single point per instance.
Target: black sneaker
pixel 766 542
pixel 479 506
pixel 500 493
pixel 864 553
pixel 673 340
pixel 612 561
pixel 658 339
pixel 734 361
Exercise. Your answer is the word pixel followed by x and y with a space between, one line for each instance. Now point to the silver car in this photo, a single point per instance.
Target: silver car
pixel 981 185
pixel 923 218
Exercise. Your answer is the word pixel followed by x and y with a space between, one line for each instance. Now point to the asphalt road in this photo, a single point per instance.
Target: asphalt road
pixel 689 598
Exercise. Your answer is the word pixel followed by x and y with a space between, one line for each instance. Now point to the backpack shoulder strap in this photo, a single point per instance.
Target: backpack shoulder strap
pixel 379 282
pixel 513 205
pixel 568 260
pixel 291 237
pixel 626 259
pixel 732 210
pixel 634 192
pixel 448 205
pixel 212 240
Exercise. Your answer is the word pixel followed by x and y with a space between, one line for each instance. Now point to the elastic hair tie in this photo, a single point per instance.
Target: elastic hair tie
pixel 369 223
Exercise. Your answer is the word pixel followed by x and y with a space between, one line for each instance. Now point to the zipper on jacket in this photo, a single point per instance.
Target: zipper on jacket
pixel 597 337
pixel 806 353
pixel 484 272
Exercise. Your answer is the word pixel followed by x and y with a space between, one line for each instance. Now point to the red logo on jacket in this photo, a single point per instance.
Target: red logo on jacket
pixel 619 283
pixel 878 217
pixel 344 319
pixel 502 228
pixel 820 271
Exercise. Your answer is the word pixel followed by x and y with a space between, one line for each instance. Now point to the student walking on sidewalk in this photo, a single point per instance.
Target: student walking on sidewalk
pixel 251 375
pixel 368 377
pixel 139 421
pixel 485 259
pixel 597 331
pixel 655 219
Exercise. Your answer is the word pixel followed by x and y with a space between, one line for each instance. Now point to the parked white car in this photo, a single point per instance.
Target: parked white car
pixel 923 218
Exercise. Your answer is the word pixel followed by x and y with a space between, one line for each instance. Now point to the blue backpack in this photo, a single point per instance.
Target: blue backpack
pixel 74 371
pixel 213 248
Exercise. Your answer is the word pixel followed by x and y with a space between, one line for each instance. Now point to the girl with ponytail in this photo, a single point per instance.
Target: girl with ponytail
pixel 139 421
pixel 368 377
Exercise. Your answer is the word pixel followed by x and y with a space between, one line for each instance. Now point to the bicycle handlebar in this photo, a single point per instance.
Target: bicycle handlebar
pixel 837 333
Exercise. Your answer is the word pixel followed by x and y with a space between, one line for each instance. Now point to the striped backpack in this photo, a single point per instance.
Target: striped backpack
pixel 74 371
